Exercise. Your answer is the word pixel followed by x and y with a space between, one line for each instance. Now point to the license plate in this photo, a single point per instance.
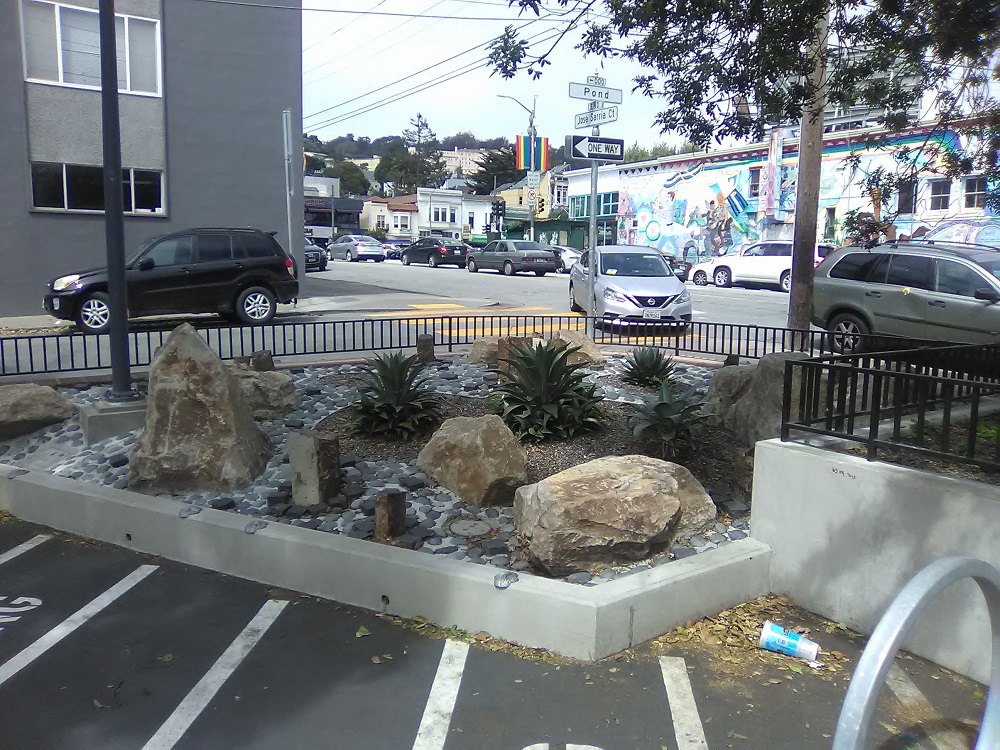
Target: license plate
pixel 651 314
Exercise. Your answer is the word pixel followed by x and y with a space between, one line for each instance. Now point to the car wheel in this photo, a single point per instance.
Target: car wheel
pixel 722 277
pixel 847 332
pixel 786 281
pixel 540 273
pixel 322 266
pixel 255 305
pixel 471 266
pixel 572 301
pixel 379 260
pixel 700 279
pixel 406 260
pixel 508 268
pixel 432 260
pixel 352 256
pixel 94 313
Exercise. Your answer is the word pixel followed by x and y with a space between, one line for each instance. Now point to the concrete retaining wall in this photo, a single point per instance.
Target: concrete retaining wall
pixel 584 622
pixel 847 534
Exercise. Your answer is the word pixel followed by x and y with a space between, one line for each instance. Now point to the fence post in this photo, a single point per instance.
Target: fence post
pixel 786 401
pixel 876 415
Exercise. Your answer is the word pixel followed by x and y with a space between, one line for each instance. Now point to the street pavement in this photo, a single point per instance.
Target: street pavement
pixel 101 647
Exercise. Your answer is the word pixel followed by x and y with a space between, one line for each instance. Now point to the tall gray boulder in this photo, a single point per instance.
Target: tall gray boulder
pixel 757 414
pixel 26 407
pixel 200 433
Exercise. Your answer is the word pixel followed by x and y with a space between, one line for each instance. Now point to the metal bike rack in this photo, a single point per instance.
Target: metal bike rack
pixel 859 703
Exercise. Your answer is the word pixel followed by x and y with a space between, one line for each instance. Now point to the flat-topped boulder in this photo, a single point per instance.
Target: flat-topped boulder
pixel 587 352
pixel 26 407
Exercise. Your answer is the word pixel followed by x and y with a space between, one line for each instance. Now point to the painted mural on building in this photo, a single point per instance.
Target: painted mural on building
pixel 698 209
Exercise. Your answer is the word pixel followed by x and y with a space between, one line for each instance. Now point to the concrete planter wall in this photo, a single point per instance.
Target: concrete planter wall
pixel 847 534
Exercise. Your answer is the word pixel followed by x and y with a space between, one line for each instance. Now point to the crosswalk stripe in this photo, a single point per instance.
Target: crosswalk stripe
pixel 909 695
pixel 24 547
pixel 688 729
pixel 67 626
pixel 434 723
pixel 201 694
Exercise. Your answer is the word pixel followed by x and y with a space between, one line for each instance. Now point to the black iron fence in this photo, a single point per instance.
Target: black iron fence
pixel 76 352
pixel 941 401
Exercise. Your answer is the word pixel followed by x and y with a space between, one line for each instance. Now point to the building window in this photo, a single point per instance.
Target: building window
pixel 578 206
pixel 830 226
pixel 755 182
pixel 472 220
pixel 76 187
pixel 975 192
pixel 906 203
pixel 940 194
pixel 380 222
pixel 63 45
pixel 401 222
pixel 607 204
pixel 437 214
pixel 452 216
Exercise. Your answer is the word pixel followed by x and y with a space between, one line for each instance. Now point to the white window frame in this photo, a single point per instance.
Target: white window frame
pixel 158 36
pixel 980 197
pixel 381 221
pixel 162 213
pixel 404 222
pixel 946 196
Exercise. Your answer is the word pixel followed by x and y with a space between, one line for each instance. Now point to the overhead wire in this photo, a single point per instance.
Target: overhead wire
pixel 246 4
pixel 341 28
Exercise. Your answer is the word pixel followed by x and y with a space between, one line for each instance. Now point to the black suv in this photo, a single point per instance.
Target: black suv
pixel 237 273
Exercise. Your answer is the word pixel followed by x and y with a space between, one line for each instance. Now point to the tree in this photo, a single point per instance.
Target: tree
pixel 464 139
pixel 635 152
pixel 313 164
pixel 398 167
pixel 731 69
pixel 496 168
pixel 352 179
pixel 429 170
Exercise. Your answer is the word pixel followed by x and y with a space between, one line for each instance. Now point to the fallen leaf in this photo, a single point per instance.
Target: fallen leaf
pixel 376 660
pixel 362 632
pixel 98 704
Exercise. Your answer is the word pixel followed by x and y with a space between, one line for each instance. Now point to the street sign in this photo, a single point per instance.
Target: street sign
pixel 534 179
pixel 590 147
pixel 598 116
pixel 596 81
pixel 532 194
pixel 595 93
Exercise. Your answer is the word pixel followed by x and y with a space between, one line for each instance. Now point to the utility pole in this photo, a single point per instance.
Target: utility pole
pixel 114 220
pixel 807 185
pixel 591 306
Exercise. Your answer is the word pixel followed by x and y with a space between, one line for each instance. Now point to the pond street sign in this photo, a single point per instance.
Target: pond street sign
pixel 598 116
pixel 595 93
pixel 590 147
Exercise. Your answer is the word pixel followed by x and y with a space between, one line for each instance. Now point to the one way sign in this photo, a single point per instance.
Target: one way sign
pixel 591 147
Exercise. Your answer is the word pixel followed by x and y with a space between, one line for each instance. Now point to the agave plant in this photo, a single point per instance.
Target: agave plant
pixel 647 365
pixel 669 419
pixel 542 395
pixel 394 401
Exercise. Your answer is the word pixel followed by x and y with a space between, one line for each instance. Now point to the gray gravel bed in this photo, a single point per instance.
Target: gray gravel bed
pixel 437 521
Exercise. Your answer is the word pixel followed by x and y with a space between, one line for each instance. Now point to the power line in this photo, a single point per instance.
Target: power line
pixel 338 30
pixel 240 3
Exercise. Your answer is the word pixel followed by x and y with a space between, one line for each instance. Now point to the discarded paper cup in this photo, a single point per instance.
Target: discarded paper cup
pixel 773 637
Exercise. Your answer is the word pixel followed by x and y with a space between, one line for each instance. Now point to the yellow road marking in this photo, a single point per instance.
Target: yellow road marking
pixel 435 305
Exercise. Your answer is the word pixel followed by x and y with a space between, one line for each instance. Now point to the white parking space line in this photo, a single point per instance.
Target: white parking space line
pixel 909 695
pixel 441 702
pixel 24 547
pixel 67 626
pixel 688 729
pixel 201 694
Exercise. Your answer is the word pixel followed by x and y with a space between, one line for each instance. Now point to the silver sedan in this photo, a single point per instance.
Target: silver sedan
pixel 634 285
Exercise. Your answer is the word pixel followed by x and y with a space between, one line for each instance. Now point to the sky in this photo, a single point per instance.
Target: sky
pixel 363 61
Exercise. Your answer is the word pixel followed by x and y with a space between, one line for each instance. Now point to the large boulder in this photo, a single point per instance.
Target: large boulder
pixel 477 458
pixel 200 433
pixel 727 387
pixel 484 351
pixel 269 393
pixel 587 353
pixel 605 512
pixel 757 414
pixel 28 407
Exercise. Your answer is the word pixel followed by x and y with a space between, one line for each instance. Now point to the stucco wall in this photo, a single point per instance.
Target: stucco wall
pixel 228 72
pixel 847 534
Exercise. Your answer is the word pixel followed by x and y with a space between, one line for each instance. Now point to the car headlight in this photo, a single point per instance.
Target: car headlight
pixel 684 296
pixel 65 282
pixel 614 294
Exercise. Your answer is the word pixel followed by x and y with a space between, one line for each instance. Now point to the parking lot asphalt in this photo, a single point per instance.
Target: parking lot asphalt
pixel 101 647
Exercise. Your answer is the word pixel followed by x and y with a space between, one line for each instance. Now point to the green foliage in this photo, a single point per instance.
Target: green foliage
pixel 394 402
pixel 670 419
pixel 543 396
pixel 635 152
pixel 496 168
pixel 352 179
pixel 647 365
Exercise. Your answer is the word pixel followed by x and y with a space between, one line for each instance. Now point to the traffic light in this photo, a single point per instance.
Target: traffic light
pixel 501 208
pixel 541 205
pixel 495 207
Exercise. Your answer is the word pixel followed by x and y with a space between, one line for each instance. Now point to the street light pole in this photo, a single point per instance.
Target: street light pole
pixel 532 133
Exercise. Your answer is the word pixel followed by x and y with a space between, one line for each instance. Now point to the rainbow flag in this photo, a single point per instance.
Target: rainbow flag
pixel 525 159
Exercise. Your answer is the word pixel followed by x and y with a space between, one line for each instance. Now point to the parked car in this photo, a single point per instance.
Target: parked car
pixel 634 285
pixel 356 247
pixel 233 272
pixel 435 251
pixel 923 290
pixel 682 268
pixel 762 263
pixel 510 256
pixel 316 258
pixel 394 248
pixel 568 256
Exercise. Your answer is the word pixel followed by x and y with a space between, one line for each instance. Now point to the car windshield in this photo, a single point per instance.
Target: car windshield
pixel 368 241
pixel 131 257
pixel 991 266
pixel 522 246
pixel 634 264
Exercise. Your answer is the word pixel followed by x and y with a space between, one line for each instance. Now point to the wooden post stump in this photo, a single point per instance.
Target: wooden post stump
pixel 504 345
pixel 425 347
pixel 390 514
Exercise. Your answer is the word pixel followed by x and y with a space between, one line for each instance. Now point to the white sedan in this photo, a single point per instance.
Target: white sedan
pixel 763 263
